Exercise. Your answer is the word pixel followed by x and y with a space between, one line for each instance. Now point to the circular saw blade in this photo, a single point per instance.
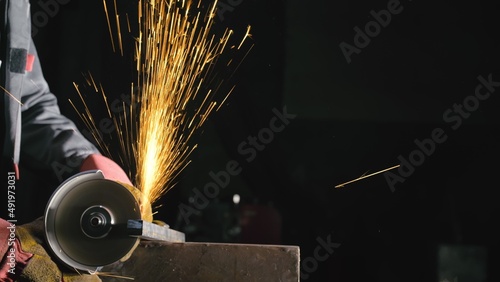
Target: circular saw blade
pixel 63 221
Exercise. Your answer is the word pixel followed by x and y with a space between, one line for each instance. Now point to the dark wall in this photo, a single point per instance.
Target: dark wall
pixel 345 119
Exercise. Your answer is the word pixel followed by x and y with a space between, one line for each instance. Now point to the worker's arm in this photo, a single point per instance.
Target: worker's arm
pixel 48 138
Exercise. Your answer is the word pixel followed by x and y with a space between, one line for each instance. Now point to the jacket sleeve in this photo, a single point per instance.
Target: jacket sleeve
pixel 48 138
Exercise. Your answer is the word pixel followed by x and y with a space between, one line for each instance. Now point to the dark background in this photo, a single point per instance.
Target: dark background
pixel 350 118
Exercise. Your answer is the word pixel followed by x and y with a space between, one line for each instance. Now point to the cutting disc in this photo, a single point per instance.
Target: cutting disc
pixel 82 202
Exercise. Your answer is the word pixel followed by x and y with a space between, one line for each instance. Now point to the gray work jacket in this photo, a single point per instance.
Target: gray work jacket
pixel 36 132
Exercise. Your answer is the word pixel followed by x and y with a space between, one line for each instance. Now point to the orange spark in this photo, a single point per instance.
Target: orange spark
pixel 366 176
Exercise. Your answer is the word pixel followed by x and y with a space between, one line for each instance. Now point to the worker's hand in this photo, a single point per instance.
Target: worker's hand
pixel 110 169
pixel 31 260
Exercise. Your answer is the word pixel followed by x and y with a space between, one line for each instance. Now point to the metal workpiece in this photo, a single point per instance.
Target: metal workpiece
pixel 152 231
pixel 208 262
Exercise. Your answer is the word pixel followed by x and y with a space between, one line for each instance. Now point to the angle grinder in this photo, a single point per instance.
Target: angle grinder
pixel 91 222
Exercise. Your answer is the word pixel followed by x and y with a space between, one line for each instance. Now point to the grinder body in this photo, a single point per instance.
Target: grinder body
pixel 91 222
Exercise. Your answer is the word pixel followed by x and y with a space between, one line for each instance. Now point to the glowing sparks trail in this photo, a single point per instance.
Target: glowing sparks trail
pixel 366 176
pixel 175 51
pixel 10 94
pixel 175 55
